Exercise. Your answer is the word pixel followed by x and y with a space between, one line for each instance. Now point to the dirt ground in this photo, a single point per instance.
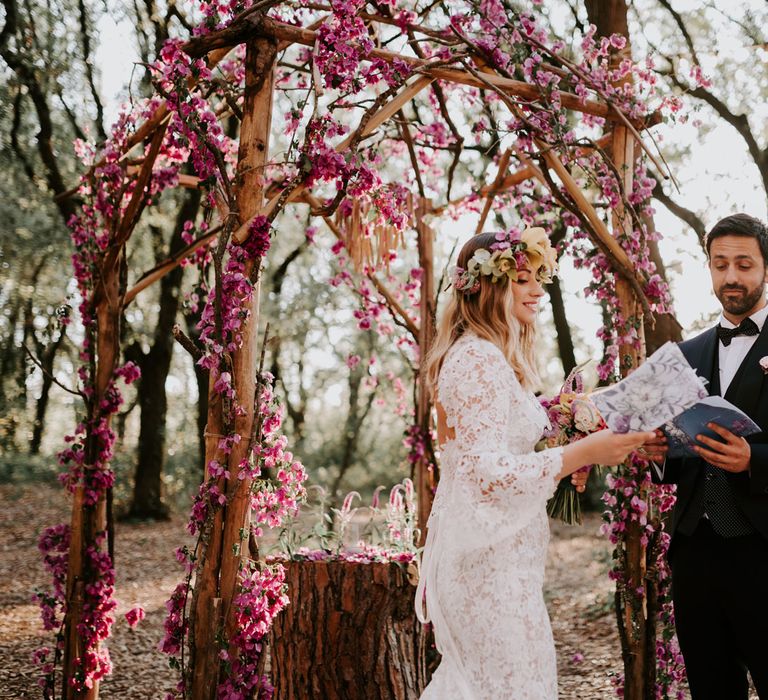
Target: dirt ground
pixel 578 595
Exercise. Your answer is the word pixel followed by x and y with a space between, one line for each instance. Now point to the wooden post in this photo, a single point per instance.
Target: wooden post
pixel 425 478
pixel 89 522
pixel 252 158
pixel 227 543
pixel 633 600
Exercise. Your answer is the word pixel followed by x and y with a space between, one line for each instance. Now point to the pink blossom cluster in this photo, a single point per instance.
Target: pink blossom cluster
pixel 261 597
pixel 374 312
pixel 278 497
pixel 343 42
pixel 218 14
pixel 90 469
pixel 229 304
pixel 361 554
pixel 54 547
pixel 176 622
pixel 97 618
pixel 277 489
pixel 194 129
pixel 200 258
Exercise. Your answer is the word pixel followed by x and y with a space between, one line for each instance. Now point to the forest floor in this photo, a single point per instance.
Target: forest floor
pixel 578 594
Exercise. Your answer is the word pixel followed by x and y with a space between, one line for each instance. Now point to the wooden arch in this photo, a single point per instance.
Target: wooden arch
pixel 229 541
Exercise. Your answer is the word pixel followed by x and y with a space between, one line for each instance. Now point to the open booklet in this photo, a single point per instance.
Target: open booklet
pixel 660 389
pixel 682 430
pixel 666 392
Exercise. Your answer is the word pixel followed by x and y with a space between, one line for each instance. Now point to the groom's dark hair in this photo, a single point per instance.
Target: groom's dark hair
pixel 741 225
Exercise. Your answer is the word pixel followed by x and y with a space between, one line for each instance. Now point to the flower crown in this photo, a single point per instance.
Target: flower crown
pixel 511 252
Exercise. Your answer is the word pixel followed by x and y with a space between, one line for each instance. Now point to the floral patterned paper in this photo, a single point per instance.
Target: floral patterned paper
pixel 660 389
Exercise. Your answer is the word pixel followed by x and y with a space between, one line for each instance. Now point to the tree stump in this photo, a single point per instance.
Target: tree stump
pixel 350 631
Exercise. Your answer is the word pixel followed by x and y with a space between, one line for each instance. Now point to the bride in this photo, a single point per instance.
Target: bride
pixel 483 564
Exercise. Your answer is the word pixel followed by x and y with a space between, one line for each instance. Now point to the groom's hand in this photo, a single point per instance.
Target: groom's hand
pixel 579 479
pixel 656 449
pixel 732 455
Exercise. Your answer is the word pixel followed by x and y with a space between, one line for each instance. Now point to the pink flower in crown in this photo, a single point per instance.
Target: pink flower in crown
pixel 462 281
pixel 502 241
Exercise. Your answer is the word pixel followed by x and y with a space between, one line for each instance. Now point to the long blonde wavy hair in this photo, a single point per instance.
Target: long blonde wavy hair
pixel 488 314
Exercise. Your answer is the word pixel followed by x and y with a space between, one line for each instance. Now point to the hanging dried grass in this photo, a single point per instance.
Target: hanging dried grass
pixel 370 242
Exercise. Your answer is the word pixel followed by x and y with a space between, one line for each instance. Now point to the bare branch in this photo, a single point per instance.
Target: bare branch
pixel 187 343
pixel 667 5
pixel 85 37
pixel 72 118
pixel 681 212
pixel 50 375
pixel 406 132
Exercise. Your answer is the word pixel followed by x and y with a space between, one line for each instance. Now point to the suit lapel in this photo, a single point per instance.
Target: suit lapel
pixel 744 391
pixel 703 357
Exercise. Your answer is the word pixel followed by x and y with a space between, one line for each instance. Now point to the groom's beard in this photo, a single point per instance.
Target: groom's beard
pixel 739 305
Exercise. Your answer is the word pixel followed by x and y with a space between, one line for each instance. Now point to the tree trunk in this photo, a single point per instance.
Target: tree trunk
pixel 562 329
pixel 8 359
pixel 356 416
pixel 147 500
pixel 349 632
pixel 667 326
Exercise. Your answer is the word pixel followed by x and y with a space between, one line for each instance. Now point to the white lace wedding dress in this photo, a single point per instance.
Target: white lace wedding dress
pixel 483 564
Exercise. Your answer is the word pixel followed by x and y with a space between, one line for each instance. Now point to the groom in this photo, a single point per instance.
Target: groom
pixel 719 549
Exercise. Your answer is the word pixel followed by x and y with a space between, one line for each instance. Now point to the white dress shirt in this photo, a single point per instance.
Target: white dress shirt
pixel 730 357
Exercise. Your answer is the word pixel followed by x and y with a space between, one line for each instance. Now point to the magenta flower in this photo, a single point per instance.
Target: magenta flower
pixel 134 616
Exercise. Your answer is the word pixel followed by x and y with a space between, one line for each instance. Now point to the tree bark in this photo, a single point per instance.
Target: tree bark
pixel 349 632
pixel 155 365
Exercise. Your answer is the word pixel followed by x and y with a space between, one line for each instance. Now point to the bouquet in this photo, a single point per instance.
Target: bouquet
pixel 572 416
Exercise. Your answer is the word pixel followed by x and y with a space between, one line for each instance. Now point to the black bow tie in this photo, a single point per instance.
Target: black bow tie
pixel 746 327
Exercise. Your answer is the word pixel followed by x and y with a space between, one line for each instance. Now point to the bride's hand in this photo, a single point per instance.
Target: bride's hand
pixel 609 448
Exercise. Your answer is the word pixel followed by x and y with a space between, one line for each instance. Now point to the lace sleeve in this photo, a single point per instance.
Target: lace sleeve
pixel 495 427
